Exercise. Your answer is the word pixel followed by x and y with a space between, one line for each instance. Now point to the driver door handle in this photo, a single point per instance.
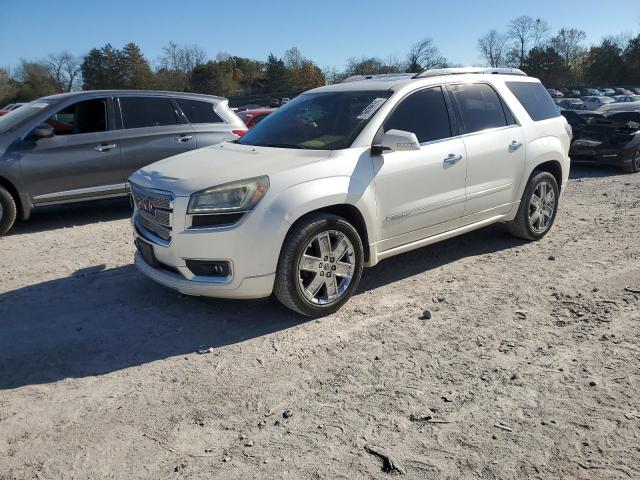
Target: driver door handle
pixel 452 159
pixel 184 138
pixel 515 145
pixel 104 147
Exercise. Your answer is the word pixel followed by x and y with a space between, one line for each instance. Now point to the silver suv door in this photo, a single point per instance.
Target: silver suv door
pixel 152 129
pixel 82 158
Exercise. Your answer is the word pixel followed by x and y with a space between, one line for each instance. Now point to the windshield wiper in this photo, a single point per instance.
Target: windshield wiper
pixel 279 145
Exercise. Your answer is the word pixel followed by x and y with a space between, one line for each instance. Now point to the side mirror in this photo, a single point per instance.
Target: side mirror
pixel 43 130
pixel 397 141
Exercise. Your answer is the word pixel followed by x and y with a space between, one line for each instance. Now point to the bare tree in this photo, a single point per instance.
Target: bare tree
pixel 521 32
pixel 181 59
pixel 293 59
pixel 540 34
pixel 424 55
pixel 567 44
pixel 492 46
pixel 64 71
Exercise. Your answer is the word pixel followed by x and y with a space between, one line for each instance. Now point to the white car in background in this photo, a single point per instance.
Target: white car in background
pixel 346 175
pixel 592 102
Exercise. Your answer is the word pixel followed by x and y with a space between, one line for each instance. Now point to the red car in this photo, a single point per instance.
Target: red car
pixel 252 117
pixel 7 108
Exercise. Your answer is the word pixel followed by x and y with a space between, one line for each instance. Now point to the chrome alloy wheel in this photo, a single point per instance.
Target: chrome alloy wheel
pixel 542 207
pixel 326 267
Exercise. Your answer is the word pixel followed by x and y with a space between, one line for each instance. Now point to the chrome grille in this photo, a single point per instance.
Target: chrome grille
pixel 154 210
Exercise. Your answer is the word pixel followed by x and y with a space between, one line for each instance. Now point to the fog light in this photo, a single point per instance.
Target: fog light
pixel 206 268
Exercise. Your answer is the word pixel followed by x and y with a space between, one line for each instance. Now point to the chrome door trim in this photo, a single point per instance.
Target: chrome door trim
pixel 106 189
pixel 426 208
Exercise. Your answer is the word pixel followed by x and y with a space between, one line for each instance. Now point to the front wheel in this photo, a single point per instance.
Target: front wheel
pixel 320 265
pixel 538 207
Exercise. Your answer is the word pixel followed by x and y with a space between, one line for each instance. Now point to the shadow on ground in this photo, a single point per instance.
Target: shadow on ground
pixel 101 320
pixel 594 171
pixel 63 216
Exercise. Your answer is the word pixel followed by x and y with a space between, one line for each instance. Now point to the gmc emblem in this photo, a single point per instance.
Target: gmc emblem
pixel 146 205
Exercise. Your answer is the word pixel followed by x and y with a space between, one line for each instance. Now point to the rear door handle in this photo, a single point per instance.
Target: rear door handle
pixel 105 148
pixel 513 146
pixel 184 138
pixel 452 159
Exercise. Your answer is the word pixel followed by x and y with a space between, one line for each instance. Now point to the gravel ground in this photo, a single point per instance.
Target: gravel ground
pixel 528 368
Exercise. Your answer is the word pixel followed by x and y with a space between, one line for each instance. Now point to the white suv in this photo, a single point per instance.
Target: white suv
pixel 347 175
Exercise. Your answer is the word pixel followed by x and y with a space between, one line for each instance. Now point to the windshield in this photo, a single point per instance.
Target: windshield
pixel 18 116
pixel 317 121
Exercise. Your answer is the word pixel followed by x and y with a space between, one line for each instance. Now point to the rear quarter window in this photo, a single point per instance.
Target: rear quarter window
pixel 535 100
pixel 198 112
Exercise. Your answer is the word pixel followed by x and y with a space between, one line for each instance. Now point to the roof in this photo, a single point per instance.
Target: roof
pixel 115 93
pixel 396 81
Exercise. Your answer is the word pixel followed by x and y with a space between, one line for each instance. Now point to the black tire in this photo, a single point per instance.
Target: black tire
pixel 634 166
pixel 288 289
pixel 8 211
pixel 521 226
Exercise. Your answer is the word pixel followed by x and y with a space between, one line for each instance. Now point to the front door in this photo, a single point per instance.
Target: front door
pixel 152 130
pixel 81 159
pixel 420 193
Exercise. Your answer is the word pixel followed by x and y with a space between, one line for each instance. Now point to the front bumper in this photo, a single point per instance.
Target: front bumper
pixel 602 156
pixel 251 247
pixel 253 287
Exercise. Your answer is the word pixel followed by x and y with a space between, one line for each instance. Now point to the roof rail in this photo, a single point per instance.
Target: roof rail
pixel 464 70
pixel 379 76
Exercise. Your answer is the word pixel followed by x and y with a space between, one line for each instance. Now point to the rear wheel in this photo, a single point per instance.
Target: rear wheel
pixel 538 207
pixel 8 211
pixel 320 265
pixel 634 166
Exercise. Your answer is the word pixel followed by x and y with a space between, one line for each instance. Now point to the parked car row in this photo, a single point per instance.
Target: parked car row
pixel 575 92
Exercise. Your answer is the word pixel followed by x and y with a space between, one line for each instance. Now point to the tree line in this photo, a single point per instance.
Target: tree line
pixel 562 59
pixel 526 43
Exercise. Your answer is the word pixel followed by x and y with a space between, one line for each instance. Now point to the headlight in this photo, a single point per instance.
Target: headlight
pixel 230 197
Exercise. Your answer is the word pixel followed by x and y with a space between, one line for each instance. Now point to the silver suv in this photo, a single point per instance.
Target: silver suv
pixel 83 145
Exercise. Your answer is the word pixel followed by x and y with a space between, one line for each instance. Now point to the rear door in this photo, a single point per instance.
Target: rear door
pixel 495 148
pixel 152 128
pixel 209 125
pixel 81 159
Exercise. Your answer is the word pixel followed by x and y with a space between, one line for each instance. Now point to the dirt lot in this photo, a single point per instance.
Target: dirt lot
pixel 99 375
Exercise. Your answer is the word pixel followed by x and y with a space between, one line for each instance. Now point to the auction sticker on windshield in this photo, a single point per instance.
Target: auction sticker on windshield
pixel 371 108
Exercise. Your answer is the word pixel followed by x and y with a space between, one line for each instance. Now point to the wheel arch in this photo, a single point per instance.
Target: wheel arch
pixel 351 214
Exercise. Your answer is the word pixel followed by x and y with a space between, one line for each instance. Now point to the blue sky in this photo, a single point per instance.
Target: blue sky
pixel 327 31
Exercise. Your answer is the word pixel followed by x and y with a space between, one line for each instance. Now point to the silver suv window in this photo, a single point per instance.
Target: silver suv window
pixel 141 112
pixel 480 107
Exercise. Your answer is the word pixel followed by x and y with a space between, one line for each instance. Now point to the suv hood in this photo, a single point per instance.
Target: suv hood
pixel 226 162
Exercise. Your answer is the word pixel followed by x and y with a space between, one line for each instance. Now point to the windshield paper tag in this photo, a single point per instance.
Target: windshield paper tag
pixel 39 105
pixel 371 108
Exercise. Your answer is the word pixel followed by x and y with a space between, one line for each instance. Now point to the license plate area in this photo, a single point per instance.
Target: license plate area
pixel 146 250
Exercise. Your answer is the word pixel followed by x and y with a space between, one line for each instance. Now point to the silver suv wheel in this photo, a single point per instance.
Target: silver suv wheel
pixel 542 207
pixel 326 267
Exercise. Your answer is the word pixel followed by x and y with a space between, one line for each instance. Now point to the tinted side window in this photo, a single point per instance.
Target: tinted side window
pixel 88 116
pixel 535 100
pixel 139 112
pixel 423 113
pixel 480 107
pixel 198 112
